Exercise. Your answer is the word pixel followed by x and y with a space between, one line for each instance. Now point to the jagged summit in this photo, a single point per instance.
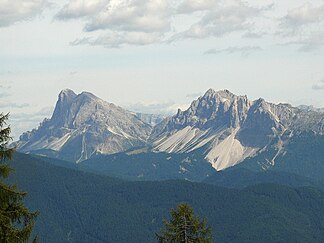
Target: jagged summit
pixel 224 127
pixel 221 93
pixel 67 92
pixel 212 110
pixel 88 95
pixel 70 95
pixel 230 127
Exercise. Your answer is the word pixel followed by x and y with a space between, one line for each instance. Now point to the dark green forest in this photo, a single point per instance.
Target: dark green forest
pixel 303 155
pixel 77 206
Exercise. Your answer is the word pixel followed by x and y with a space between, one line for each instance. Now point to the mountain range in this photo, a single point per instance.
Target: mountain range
pixel 253 168
pixel 219 130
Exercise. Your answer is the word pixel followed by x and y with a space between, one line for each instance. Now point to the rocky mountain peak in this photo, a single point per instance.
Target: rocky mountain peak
pixel 227 127
pixel 213 110
pixel 65 97
pixel 89 95
pixel 219 108
pixel 221 95
pixel 231 128
pixel 67 93
pixel 72 110
pixel 83 125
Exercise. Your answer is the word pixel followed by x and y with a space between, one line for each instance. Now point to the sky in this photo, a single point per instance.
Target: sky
pixel 157 56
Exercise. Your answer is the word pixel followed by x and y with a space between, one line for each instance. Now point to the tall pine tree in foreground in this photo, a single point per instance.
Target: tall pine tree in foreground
pixel 184 227
pixel 16 222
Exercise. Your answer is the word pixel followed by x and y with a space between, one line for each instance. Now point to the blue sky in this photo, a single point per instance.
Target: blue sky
pixel 155 56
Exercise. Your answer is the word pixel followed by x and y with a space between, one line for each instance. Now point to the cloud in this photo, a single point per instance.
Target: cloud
pixel 7 104
pixel 190 6
pixel 22 122
pixel 73 73
pixel 118 39
pixel 41 114
pixel 6 72
pixel 122 22
pixel 245 50
pixel 4 94
pixel 167 108
pixel 14 11
pixel 116 23
pixel 312 42
pixel 143 22
pixel 136 15
pixel 254 35
pixel 222 19
pixel 194 95
pixel 308 42
pixel 121 15
pixel 319 85
pixel 80 8
pixel 300 17
pixel 304 26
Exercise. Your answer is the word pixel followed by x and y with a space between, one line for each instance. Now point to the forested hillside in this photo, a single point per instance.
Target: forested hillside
pixel 77 206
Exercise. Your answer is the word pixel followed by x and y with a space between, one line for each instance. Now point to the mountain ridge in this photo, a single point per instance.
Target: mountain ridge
pixel 234 127
pixel 229 128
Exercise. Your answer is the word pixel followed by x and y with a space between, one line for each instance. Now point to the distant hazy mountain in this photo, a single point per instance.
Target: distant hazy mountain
pixel 310 108
pixel 232 128
pixel 83 125
pixel 151 119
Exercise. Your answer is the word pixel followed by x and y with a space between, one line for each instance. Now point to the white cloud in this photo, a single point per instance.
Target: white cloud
pixel 80 8
pixel 190 6
pixel 126 21
pixel 194 95
pixel 12 11
pixel 245 50
pixel 254 35
pixel 224 18
pixel 308 42
pixel 7 104
pixel 302 16
pixel 22 122
pixel 136 15
pixel 117 39
pixel 312 42
pixel 125 15
pixel 131 22
pixel 304 26
pixel 319 85
pixel 4 94
pixel 114 23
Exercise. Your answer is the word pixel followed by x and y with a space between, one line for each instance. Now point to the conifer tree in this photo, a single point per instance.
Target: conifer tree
pixel 184 227
pixel 16 222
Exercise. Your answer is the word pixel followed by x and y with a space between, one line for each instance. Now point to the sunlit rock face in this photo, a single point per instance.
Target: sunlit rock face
pixel 83 125
pixel 231 128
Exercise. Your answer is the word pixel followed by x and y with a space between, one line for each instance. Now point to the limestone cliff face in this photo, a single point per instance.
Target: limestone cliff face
pixel 83 125
pixel 225 127
pixel 231 128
